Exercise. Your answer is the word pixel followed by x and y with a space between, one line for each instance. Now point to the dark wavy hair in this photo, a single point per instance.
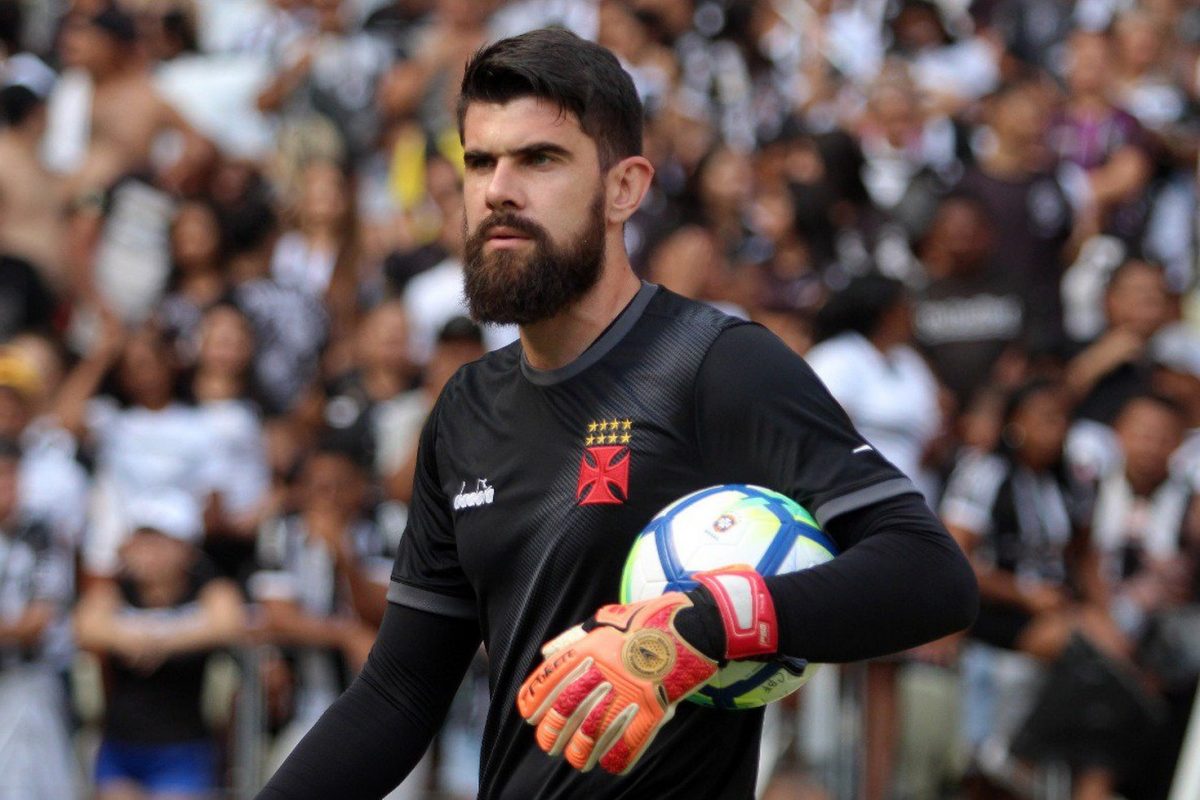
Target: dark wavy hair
pixel 576 75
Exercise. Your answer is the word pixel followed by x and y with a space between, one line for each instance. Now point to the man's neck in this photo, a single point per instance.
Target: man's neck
pixel 556 342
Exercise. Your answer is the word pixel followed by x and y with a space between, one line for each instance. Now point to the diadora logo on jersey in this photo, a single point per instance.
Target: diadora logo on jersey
pixel 481 495
pixel 604 469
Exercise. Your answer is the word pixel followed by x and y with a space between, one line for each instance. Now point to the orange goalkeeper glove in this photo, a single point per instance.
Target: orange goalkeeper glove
pixel 608 686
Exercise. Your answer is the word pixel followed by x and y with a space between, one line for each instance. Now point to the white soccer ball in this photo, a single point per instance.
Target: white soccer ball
pixel 719 527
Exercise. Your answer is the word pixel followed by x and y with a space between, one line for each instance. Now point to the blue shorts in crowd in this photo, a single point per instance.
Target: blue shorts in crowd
pixel 184 767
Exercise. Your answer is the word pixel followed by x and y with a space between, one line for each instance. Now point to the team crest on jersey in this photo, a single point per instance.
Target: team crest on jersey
pixel 604 469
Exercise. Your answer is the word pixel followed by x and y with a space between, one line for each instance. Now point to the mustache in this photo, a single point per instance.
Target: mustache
pixel 508 219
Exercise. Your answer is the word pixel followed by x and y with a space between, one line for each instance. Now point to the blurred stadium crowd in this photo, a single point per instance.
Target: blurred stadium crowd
pixel 230 291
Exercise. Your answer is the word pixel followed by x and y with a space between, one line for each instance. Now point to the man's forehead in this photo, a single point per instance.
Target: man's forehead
pixel 518 121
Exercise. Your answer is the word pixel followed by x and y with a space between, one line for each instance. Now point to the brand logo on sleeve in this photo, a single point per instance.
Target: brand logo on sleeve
pixel 604 468
pixel 481 495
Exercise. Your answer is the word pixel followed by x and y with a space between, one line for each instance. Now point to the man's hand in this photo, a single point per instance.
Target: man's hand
pixel 608 686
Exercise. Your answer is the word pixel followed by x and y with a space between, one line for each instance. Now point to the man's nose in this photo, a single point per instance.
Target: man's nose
pixel 504 189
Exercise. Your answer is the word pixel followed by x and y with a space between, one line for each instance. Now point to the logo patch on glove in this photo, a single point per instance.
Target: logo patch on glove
pixel 649 654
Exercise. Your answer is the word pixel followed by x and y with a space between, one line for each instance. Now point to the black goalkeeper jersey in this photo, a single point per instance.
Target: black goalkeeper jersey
pixel 531 486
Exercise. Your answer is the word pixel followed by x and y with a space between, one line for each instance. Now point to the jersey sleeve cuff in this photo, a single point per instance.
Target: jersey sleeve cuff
pixel 860 498
pixel 423 600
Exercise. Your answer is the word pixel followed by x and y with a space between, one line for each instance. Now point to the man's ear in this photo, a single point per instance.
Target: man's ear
pixel 627 183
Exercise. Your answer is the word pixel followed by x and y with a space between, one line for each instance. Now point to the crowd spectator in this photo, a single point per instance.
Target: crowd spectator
pixel 1023 518
pixel 381 370
pixel 865 357
pixel 1014 180
pixel 54 485
pixel 231 249
pixel 969 317
pixel 222 387
pixel 145 437
pixel 1105 145
pixel 154 625
pixel 35 593
pixel 319 255
pixel 123 112
pixel 198 276
pixel 1145 524
pixel 324 569
pixel 1120 362
pixel 31 227
pixel 1147 530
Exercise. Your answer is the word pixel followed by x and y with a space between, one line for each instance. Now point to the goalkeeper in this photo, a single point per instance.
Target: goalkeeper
pixel 541 462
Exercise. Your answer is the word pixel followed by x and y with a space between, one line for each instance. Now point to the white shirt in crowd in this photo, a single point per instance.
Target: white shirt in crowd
pixel 54 485
pixel 891 399
pixel 298 266
pixel 139 452
pixel 435 296
pixel 242 476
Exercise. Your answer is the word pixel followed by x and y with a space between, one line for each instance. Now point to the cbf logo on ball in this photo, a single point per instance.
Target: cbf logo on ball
pixel 604 470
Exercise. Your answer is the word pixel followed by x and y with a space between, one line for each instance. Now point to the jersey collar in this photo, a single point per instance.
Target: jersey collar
pixel 605 342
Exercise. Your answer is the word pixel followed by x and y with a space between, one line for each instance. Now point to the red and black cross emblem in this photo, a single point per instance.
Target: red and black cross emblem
pixel 604 469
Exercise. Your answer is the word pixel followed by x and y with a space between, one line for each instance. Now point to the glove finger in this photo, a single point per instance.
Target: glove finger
pixel 629 748
pixel 543 686
pixel 599 696
pixel 597 733
pixel 566 713
pixel 565 639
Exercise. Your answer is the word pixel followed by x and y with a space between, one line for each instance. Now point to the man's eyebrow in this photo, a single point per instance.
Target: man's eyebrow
pixel 536 148
pixel 542 149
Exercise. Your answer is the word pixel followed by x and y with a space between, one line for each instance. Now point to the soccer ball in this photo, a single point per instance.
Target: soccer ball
pixel 719 527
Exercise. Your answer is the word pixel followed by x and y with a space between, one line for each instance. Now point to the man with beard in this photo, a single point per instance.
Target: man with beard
pixel 543 460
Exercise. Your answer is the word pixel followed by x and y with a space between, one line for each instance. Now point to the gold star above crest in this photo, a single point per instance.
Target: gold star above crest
pixel 609 431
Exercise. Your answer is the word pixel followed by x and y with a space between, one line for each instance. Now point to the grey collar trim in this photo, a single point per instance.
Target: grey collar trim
pixel 599 348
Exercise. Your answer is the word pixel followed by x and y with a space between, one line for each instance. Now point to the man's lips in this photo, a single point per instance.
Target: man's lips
pixel 501 236
pixel 504 232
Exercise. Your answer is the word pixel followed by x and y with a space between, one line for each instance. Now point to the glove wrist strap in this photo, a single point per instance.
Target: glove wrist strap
pixel 747 611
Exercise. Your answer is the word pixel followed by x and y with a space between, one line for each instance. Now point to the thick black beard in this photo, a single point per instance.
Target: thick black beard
pixel 509 287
